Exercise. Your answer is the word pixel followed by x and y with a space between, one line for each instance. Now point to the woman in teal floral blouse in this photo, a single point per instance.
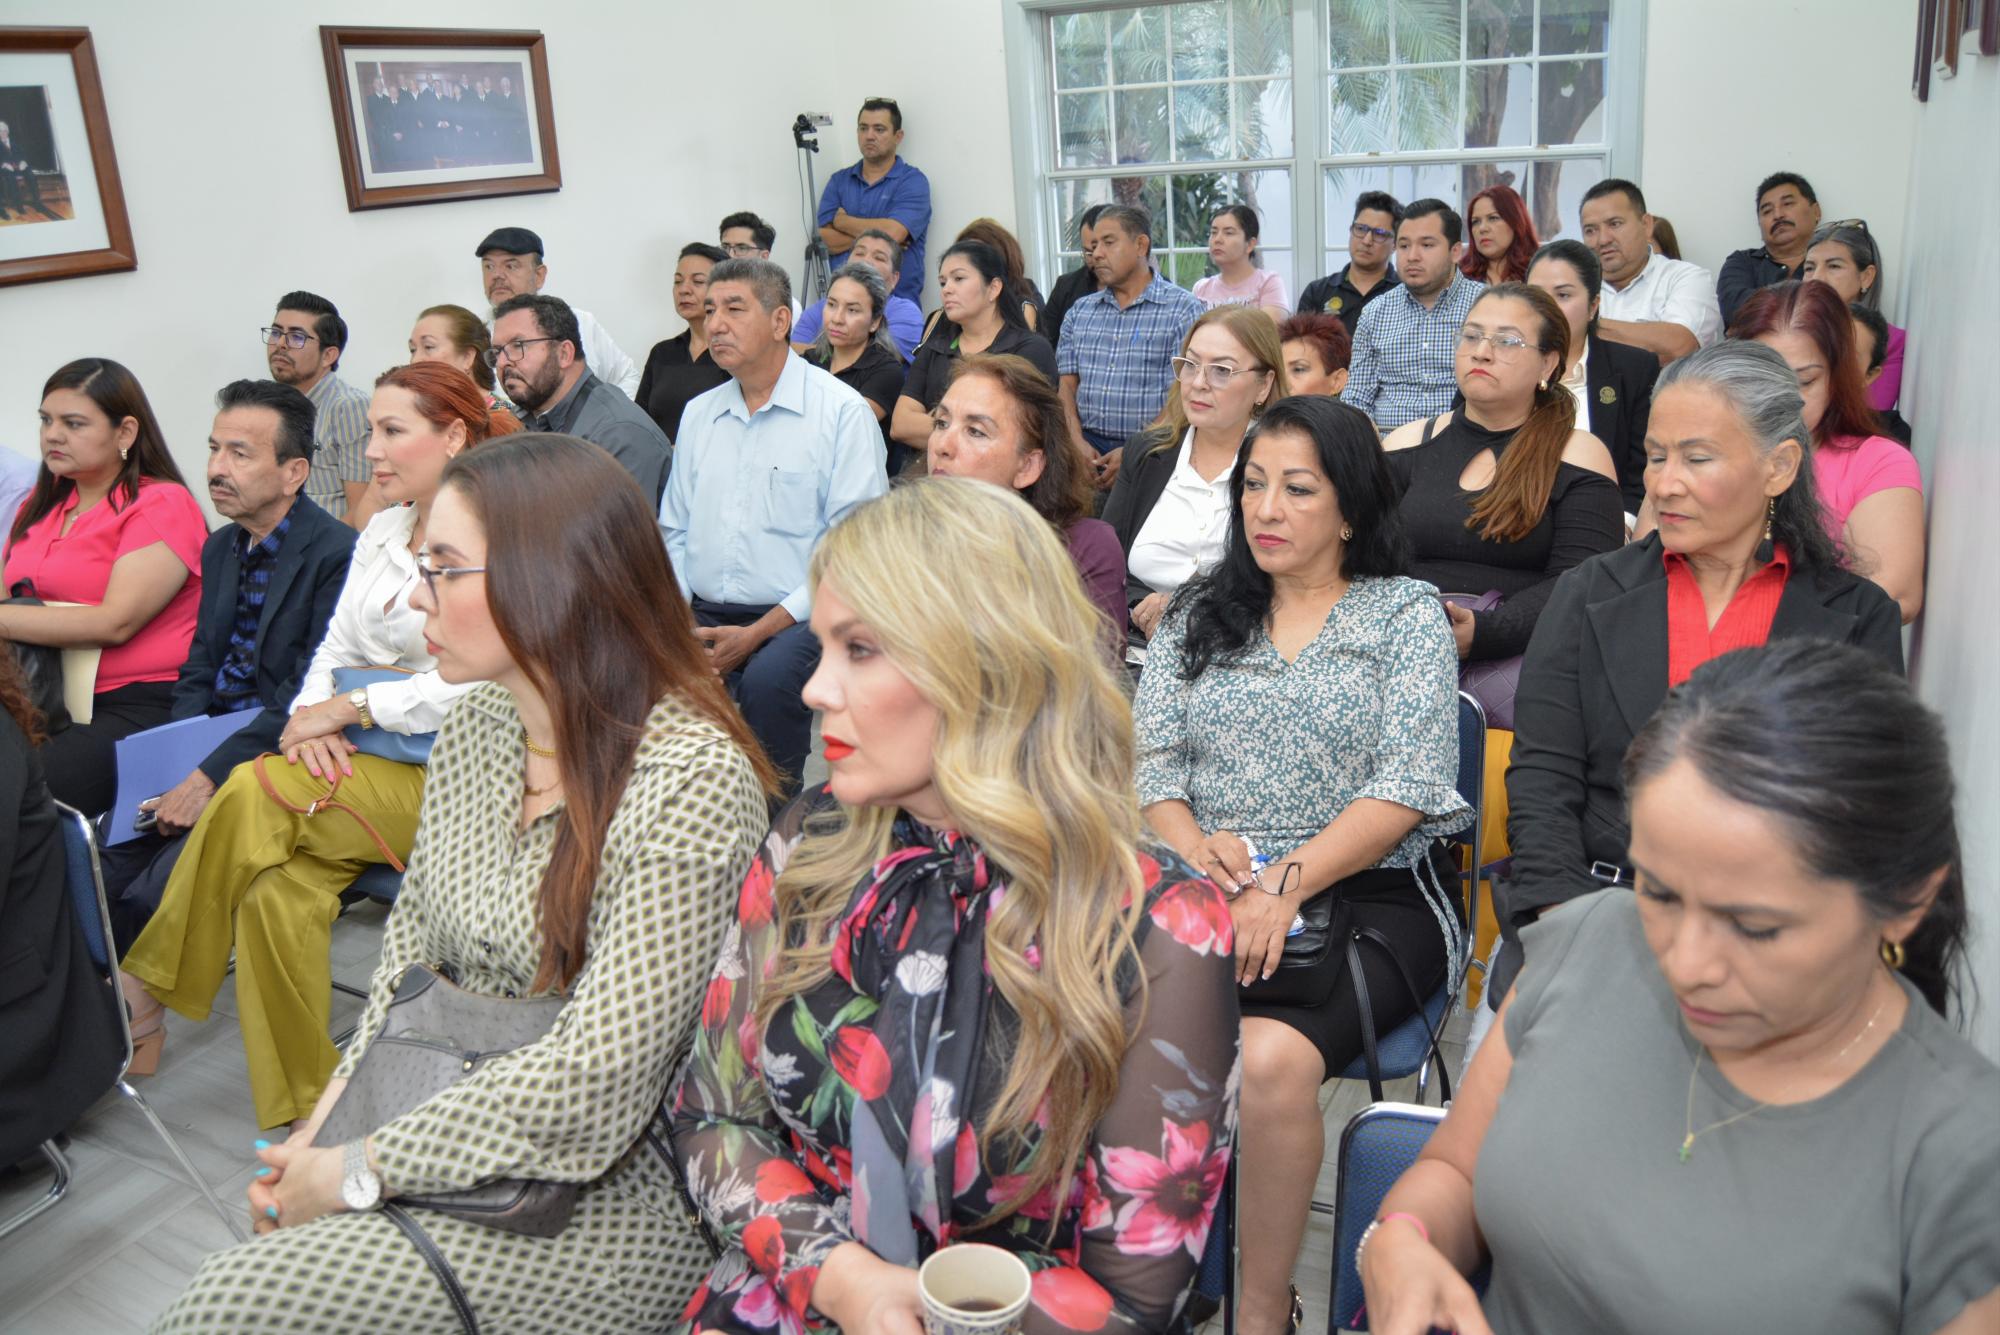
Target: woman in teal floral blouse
pixel 960 1003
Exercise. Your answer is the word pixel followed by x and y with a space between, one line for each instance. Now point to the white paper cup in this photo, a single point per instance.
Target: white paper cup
pixel 973 1289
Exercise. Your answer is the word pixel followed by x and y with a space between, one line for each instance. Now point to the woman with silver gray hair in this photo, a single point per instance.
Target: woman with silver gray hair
pixel 1844 256
pixel 854 342
pixel 1740 557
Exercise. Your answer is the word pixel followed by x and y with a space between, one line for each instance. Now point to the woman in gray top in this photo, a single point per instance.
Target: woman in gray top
pixel 1731 1100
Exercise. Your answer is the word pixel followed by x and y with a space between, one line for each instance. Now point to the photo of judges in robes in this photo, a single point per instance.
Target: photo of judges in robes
pixel 426 115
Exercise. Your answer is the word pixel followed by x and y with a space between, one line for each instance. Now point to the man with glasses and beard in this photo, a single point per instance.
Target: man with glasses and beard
pixel 537 354
pixel 302 345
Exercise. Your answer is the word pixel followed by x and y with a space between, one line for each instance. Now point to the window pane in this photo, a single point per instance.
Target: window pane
pixel 1497 28
pixel 1262 34
pixel 1198 196
pixel 1139 45
pixel 1558 197
pixel 1263 118
pixel 1079 50
pixel 1201 122
pixel 1359 121
pixel 1570 105
pixel 1141 125
pixel 1426 30
pixel 1575 26
pixel 1201 41
pixel 1359 33
pixel 1082 130
pixel 1427 108
pixel 1474 177
pixel 1498 105
pixel 1072 198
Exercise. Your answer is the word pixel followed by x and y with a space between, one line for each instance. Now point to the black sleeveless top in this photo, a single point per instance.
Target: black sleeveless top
pixel 1584 517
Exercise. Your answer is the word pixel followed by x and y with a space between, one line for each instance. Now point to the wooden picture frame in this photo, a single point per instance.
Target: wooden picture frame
pixel 1950 26
pixel 424 115
pixel 1927 22
pixel 1989 27
pixel 60 172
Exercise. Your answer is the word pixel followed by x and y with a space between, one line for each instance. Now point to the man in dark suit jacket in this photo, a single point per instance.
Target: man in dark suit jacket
pixel 269 584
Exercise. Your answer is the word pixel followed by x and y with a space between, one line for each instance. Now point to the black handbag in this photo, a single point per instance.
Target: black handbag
pixel 42 673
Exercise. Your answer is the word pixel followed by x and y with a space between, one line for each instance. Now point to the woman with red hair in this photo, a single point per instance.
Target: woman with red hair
pixel 1503 237
pixel 262 870
pixel 1870 486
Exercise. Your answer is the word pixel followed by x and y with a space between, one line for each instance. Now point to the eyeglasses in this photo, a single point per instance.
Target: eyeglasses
pixel 431 574
pixel 1214 375
pixel 512 351
pixel 739 249
pixel 277 335
pixel 1506 347
pixel 1362 231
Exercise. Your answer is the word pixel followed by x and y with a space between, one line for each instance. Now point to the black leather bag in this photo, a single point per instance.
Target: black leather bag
pixel 42 673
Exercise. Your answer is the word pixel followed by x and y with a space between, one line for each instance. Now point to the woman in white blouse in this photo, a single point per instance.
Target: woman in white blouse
pixel 1170 506
pixel 262 871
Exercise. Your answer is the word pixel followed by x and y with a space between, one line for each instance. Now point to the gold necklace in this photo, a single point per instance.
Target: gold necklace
pixel 545 752
pixel 1687 1146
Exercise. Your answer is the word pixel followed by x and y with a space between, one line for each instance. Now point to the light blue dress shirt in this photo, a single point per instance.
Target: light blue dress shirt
pixel 750 494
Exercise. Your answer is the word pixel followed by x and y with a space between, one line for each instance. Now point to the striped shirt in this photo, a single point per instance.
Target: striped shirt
pixel 1405 355
pixel 340 439
pixel 236 675
pixel 1121 357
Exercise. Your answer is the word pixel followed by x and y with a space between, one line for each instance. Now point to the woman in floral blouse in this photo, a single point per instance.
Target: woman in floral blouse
pixel 960 1003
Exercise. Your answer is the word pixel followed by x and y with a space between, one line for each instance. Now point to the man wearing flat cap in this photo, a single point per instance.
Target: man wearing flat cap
pixel 510 265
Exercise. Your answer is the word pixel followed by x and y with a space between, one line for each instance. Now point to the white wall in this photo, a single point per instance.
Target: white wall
pixel 1738 89
pixel 667 117
pixel 1950 300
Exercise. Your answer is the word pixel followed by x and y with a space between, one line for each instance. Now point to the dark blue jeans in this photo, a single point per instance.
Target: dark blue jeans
pixel 768 686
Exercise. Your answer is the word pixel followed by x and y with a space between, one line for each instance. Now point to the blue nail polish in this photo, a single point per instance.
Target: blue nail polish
pixel 263 1172
pixel 261 1145
pixel 271 1210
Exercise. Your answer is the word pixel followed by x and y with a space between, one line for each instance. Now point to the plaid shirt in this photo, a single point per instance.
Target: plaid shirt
pixel 236 675
pixel 340 442
pixel 1120 357
pixel 1405 357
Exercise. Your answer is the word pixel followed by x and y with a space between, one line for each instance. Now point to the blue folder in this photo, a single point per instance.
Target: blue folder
pixel 154 761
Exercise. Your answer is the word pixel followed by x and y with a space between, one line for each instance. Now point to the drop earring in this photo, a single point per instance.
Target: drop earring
pixel 123 452
pixel 1347 533
pixel 1767 548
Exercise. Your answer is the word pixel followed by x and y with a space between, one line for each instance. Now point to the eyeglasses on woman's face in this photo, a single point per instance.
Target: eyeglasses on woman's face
pixel 431 574
pixel 1506 347
pixel 1212 375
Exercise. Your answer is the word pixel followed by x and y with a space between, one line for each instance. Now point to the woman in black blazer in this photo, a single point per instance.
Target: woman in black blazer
pixel 1741 531
pixel 1612 381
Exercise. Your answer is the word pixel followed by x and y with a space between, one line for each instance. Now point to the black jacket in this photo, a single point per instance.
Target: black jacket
pixel 1595 671
pixel 1620 391
pixel 1078 282
pixel 59 1040
pixel 1142 476
pixel 305 584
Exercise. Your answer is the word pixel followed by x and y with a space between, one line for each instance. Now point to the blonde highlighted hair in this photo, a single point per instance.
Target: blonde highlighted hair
pixel 1257 331
pixel 1034 758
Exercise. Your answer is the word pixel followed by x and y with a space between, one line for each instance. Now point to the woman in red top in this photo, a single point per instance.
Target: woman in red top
pixel 111 526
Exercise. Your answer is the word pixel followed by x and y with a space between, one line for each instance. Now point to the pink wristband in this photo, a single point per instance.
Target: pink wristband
pixel 1404 1214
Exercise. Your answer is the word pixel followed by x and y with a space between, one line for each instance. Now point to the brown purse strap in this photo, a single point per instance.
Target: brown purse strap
pixel 327 803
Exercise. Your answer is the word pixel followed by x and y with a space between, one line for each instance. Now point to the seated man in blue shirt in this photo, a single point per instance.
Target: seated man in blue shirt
pixel 269 582
pixel 877 249
pixel 1406 342
pixel 881 191
pixel 763 466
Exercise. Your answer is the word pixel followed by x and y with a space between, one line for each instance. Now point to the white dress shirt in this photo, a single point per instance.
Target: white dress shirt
pixel 1671 292
pixel 1183 535
pixel 605 357
pixel 751 494
pixel 373 625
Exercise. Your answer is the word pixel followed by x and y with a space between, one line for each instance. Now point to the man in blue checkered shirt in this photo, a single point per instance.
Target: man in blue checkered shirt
pixel 1406 345
pixel 1118 342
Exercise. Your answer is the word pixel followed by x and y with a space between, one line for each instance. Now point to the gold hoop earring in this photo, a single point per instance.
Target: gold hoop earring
pixel 1893 954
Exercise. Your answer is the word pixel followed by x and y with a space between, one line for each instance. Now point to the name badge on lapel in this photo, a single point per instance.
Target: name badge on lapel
pixel 1607 395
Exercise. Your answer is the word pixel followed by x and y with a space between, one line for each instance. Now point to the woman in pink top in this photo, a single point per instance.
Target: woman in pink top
pixel 1844 257
pixel 1869 485
pixel 1232 246
pixel 110 525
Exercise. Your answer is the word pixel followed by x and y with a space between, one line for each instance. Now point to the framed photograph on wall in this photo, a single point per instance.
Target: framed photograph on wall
pixel 430 114
pixel 62 209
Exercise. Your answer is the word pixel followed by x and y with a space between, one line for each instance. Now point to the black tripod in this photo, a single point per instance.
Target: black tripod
pixel 819 265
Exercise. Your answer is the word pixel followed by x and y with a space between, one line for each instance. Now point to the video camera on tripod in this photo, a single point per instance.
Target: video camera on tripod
pixel 819 265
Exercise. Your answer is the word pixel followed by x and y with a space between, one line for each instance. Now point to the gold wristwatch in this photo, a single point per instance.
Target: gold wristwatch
pixel 359 699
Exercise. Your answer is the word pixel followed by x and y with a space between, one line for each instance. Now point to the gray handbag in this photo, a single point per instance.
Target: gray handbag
pixel 434 1035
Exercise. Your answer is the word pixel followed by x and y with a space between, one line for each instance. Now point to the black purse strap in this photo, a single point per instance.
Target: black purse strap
pixel 435 1259
pixel 1364 1005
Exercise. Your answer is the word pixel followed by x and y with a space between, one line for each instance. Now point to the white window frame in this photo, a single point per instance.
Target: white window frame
pixel 1031 89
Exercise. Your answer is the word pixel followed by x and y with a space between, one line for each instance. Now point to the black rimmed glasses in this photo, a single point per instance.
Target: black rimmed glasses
pixel 513 350
pixel 1362 231
pixel 275 335
pixel 431 574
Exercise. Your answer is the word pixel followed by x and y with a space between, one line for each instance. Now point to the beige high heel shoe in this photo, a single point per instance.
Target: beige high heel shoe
pixel 148 1018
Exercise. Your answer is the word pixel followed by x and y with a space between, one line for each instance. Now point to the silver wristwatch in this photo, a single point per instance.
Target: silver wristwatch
pixel 360 1188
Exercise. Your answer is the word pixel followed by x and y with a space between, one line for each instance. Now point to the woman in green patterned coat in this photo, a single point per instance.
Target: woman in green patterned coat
pixel 588 816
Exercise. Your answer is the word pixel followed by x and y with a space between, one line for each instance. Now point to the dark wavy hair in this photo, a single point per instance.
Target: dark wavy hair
pixel 117 394
pixel 1226 606
pixel 1841 752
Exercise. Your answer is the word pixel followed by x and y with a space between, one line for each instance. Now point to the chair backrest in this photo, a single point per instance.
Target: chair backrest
pixel 1379 1143
pixel 85 882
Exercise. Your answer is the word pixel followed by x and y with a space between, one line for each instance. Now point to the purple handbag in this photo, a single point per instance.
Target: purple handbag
pixel 1494 681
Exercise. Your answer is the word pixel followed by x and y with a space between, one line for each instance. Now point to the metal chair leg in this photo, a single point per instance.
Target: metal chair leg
pixel 229 1221
pixel 60 1163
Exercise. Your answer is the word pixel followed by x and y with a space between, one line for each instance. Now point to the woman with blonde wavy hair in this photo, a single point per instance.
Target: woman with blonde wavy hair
pixel 961 1003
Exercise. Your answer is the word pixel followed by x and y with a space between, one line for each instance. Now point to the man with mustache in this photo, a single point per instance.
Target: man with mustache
pixel 1665 306
pixel 1787 215
pixel 270 579
pixel 303 344
pixel 510 265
